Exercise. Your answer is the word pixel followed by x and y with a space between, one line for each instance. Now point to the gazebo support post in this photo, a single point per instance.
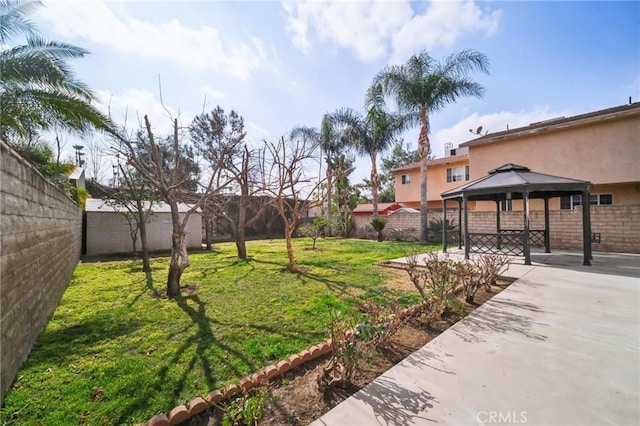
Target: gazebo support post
pixel 466 227
pixel 459 223
pixel 445 236
pixel 547 237
pixel 498 224
pixel 526 246
pixel 586 227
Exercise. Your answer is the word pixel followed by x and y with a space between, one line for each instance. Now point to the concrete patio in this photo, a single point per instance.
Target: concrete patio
pixel 560 346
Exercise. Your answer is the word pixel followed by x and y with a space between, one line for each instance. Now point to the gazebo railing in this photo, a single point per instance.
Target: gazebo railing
pixel 507 241
pixel 536 236
pixel 494 243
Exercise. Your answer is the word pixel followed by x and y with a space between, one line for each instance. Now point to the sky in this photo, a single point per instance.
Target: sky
pixel 285 64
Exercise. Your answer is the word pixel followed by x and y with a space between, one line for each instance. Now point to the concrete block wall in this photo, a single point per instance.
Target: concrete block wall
pixel 617 226
pixel 40 242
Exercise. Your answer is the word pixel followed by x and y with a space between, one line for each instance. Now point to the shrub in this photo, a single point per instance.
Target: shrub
pixel 349 350
pixel 440 274
pixel 398 234
pixel 436 226
pixel 378 223
pixel 367 232
pixel 468 274
pixel 382 321
pixel 490 267
pixel 317 229
pixel 246 410
pixel 436 280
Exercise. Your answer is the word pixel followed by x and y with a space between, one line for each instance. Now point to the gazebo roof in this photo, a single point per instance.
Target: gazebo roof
pixel 514 179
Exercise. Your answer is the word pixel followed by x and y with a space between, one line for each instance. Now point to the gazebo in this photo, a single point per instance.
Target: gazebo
pixel 514 182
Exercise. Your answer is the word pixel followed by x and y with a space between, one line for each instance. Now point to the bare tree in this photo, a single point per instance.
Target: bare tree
pixel 137 199
pixel 241 211
pixel 96 167
pixel 217 132
pixel 168 170
pixel 286 180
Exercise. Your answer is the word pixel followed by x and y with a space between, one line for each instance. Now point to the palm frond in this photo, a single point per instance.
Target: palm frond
pixel 24 109
pixel 13 21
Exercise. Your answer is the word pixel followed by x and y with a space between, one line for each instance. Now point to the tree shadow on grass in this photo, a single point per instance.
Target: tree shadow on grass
pixel 203 339
pixel 214 269
pixel 148 289
pixel 339 287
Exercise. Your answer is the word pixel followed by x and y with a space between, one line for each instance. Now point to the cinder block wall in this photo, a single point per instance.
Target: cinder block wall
pixel 618 226
pixel 40 246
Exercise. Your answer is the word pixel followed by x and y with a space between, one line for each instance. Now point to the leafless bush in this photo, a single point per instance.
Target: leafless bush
pixel 490 267
pixel 347 353
pixel 415 272
pixel 440 275
pixel 383 321
pixel 468 274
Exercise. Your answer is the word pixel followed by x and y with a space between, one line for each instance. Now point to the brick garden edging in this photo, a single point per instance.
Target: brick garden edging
pixel 198 405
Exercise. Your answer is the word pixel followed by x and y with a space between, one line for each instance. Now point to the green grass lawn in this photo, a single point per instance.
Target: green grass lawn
pixel 114 354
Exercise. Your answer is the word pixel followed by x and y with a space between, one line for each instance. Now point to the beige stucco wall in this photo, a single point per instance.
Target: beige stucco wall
pixel 409 194
pixel 108 233
pixel 623 194
pixel 600 152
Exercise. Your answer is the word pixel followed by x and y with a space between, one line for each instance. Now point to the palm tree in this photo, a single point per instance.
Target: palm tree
pixel 330 144
pixel 37 89
pixel 371 133
pixel 422 86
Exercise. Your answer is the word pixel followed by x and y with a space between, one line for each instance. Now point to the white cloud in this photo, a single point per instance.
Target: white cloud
pixel 112 26
pixel 442 25
pixel 495 122
pixel 372 27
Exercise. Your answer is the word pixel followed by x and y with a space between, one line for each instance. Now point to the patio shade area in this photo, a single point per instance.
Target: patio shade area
pixel 515 182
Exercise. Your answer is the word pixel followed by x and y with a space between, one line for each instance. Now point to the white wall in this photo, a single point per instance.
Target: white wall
pixel 108 233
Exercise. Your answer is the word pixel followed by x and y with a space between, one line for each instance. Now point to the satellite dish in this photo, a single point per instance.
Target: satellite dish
pixel 478 130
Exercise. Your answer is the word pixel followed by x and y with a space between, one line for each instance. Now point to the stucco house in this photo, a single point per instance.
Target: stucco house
pixel 602 147
pixel 107 229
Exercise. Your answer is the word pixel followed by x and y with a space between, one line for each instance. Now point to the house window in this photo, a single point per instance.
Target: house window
pixel 506 205
pixel 573 201
pixel 406 179
pixel 457 174
pixel 604 199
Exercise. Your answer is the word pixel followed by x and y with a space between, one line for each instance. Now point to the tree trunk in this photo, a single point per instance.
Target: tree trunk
pixel 142 227
pixel 208 228
pixel 242 220
pixel 423 147
pixel 241 244
pixel 288 234
pixel 329 188
pixel 179 256
pixel 175 271
pixel 374 184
